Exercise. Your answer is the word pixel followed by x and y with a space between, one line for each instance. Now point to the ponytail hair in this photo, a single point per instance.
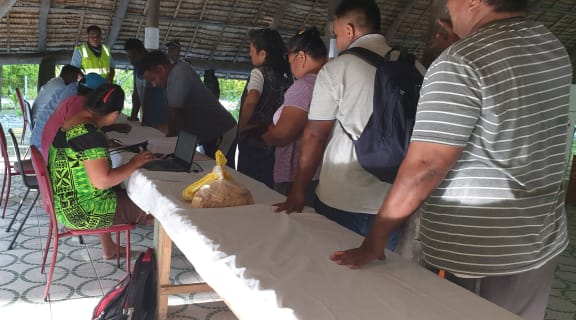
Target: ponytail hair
pixel 309 41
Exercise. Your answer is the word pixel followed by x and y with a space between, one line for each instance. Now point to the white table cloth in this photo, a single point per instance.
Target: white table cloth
pixel 269 265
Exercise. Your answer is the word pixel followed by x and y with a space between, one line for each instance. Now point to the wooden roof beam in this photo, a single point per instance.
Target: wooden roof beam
pixel 279 16
pixel 5 6
pixel 81 24
pixel 172 20
pixel 305 21
pixel 221 35
pixel 117 22
pixel 197 27
pixel 391 32
pixel 43 25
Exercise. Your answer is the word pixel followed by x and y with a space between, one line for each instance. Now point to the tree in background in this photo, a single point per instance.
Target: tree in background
pixel 230 94
pixel 13 76
pixel 19 76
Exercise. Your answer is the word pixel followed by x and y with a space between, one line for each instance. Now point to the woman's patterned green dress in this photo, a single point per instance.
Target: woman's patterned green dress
pixel 78 204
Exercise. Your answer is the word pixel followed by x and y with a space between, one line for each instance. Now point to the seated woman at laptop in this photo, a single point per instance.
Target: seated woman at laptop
pixel 83 182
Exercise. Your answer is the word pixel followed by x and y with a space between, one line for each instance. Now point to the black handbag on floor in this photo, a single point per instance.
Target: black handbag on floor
pixel 134 297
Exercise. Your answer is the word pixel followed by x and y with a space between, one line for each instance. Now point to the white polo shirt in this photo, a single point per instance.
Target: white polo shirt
pixel 344 91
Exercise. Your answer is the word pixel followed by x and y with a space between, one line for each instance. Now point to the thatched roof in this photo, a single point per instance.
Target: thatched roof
pixel 215 31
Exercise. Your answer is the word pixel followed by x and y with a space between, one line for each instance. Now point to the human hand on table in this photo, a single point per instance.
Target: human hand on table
pixel 294 202
pixel 358 257
pixel 142 158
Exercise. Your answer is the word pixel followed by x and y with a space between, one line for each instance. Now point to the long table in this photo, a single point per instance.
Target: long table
pixel 267 265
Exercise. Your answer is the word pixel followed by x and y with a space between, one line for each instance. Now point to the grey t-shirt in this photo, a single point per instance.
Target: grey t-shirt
pixel 204 116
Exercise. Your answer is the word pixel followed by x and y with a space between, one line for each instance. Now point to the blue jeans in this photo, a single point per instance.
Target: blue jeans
pixel 357 222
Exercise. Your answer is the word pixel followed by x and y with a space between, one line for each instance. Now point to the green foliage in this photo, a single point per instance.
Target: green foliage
pixel 125 78
pixel 15 76
pixel 230 94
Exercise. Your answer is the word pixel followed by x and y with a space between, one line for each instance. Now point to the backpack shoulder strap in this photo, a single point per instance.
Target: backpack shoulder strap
pixel 367 55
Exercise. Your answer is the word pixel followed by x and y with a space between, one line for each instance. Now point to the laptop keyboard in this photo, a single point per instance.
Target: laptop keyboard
pixel 162 164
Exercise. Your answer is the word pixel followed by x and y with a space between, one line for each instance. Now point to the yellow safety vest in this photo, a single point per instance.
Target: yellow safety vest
pixel 92 63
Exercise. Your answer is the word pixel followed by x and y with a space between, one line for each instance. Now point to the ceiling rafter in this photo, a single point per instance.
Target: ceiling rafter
pixel 117 22
pixel 305 21
pixel 221 35
pixel 8 31
pixel 5 6
pixel 279 16
pixel 80 25
pixel 391 33
pixel 43 25
pixel 172 20
pixel 197 26
pixel 256 17
pixel 142 20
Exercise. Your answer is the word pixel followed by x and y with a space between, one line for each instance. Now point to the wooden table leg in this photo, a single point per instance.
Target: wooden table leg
pixel 163 248
pixel 163 258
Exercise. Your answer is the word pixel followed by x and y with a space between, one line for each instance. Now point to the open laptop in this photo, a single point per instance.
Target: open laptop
pixel 183 155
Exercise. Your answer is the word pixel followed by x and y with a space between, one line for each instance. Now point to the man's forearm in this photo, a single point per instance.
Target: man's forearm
pixel 175 121
pixel 135 106
pixel 420 173
pixel 311 154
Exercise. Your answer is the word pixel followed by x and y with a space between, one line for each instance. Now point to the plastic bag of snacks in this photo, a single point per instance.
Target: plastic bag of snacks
pixel 217 189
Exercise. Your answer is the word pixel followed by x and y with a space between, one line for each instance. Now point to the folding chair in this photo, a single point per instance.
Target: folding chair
pixel 10 170
pixel 26 114
pixel 45 186
pixel 30 183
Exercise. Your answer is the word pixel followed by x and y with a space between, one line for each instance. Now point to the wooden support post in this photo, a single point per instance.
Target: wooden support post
pixel 163 258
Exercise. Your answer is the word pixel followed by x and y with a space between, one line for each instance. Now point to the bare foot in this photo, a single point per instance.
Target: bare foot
pixel 111 254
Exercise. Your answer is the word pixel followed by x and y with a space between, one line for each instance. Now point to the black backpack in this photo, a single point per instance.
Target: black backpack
pixel 134 297
pixel 384 140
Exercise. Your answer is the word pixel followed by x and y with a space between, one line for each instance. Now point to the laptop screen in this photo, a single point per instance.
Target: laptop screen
pixel 185 147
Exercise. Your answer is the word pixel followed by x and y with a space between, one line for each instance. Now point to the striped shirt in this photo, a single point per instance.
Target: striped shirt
pixel 501 94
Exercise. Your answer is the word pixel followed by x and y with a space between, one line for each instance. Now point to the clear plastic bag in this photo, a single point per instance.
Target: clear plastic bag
pixel 217 189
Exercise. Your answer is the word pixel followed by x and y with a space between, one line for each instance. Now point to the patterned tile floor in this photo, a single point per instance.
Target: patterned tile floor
pixel 562 304
pixel 82 276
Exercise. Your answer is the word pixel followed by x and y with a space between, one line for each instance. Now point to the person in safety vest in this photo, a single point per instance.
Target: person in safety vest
pixel 94 56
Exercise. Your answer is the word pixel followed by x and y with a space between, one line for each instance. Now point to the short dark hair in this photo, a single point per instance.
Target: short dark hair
pixel 93 28
pixel 510 5
pixel 309 41
pixel 367 10
pixel 107 98
pixel 69 69
pixel 134 45
pixel 152 59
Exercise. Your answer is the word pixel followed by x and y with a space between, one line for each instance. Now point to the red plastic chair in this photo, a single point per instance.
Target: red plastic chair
pixel 25 114
pixel 30 182
pixel 48 203
pixel 10 169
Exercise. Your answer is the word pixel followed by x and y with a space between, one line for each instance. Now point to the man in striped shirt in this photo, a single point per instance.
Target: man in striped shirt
pixel 487 159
